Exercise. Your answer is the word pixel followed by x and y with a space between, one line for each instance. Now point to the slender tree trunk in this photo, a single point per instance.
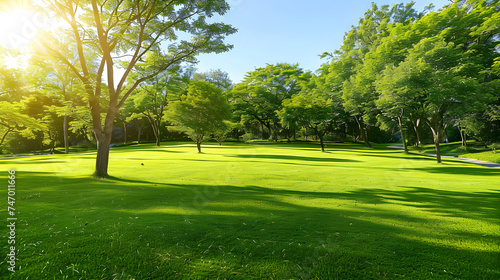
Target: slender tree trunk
pixel 275 129
pixel 87 140
pixel 437 136
pixel 462 136
pixel 362 131
pixel 139 134
pixel 158 136
pixel 124 132
pixel 405 146
pixel 417 133
pixel 322 144
pixel 198 145
pixel 5 135
pixel 156 131
pixel 465 140
pixel 65 129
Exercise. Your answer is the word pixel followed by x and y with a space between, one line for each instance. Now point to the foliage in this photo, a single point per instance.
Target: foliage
pixel 13 119
pixel 263 91
pixel 203 111
pixel 217 77
pixel 151 99
pixel 494 147
pixel 102 32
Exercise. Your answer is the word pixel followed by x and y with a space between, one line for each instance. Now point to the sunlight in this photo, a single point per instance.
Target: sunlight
pixel 11 62
pixel 18 27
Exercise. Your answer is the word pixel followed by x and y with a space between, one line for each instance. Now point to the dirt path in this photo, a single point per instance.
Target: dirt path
pixel 475 161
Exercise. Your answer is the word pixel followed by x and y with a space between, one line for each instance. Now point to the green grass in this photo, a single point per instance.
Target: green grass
pixel 269 211
pixel 474 150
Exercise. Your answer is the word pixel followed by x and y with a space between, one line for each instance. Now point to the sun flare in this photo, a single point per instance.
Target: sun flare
pixel 18 27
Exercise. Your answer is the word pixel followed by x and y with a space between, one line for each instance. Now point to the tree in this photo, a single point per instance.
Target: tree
pixel 435 76
pixel 115 30
pixel 201 112
pixel 360 62
pixel 46 73
pixel 263 91
pixel 14 120
pixel 217 77
pixel 220 133
pixel 153 96
pixel 311 111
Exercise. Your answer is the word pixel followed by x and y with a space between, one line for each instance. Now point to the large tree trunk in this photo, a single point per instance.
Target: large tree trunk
pixel 102 160
pixel 405 146
pixel 103 137
pixel 65 129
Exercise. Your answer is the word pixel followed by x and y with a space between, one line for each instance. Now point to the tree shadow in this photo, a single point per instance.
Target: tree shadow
pixel 243 228
pixel 297 158
pixel 459 170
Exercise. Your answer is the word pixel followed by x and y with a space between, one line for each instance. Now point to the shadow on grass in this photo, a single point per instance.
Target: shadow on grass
pixel 299 158
pixel 251 232
pixel 459 170
pixel 402 156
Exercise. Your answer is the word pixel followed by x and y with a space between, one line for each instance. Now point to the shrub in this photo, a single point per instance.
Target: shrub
pixel 494 147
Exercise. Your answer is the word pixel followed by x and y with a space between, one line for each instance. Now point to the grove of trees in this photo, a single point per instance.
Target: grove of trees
pixel 400 75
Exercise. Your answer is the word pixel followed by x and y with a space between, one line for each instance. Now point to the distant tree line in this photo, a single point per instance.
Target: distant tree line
pixel 400 75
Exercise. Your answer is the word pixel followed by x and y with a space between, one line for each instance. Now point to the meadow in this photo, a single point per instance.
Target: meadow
pixel 259 211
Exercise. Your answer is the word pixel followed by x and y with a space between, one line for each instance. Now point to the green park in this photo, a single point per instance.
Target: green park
pixel 122 159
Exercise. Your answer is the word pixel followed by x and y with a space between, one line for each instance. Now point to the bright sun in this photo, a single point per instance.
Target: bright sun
pixel 18 27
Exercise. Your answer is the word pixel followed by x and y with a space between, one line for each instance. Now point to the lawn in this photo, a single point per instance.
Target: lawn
pixel 474 150
pixel 260 211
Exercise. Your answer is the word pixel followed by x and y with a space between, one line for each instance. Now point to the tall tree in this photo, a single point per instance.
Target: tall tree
pixel 263 91
pixel 203 111
pixel 115 30
pixel 153 96
pixel 363 42
pixel 435 76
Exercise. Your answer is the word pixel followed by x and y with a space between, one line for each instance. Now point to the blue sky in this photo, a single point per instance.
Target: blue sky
pixel 274 31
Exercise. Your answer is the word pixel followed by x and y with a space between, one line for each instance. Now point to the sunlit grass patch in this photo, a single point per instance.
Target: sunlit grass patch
pixel 271 211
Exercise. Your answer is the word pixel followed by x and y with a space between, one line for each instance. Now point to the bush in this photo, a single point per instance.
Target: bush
pixel 494 147
pixel 247 137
